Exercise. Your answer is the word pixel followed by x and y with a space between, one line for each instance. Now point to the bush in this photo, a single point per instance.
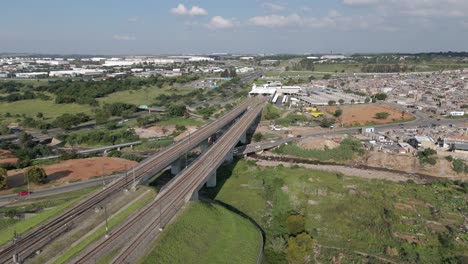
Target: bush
pixel 257 137
pixel 36 175
pixel 427 156
pixel 3 178
pixel 295 224
pixel 459 166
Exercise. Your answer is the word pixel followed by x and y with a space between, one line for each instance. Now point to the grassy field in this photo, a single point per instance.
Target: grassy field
pixel 53 206
pixel 346 151
pixel 181 121
pixel 207 233
pixel 145 95
pixel 114 221
pixel 346 217
pixel 48 108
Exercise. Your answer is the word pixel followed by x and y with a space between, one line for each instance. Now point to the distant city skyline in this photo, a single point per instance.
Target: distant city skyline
pixel 244 27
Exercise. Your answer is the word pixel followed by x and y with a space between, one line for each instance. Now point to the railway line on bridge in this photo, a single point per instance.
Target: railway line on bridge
pixel 33 241
pixel 168 202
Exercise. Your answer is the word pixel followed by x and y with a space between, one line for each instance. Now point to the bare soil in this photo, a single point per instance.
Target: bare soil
pixel 7 157
pixel 73 170
pixel 318 143
pixel 410 164
pixel 361 114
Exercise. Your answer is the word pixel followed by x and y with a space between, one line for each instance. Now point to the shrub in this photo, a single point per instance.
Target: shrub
pixel 295 224
pixel 36 175
pixel 257 137
pixel 3 178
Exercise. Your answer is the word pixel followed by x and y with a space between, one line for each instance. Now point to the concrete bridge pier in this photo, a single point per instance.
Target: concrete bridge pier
pixel 243 138
pixel 195 193
pixel 176 167
pixel 229 156
pixel 211 181
pixel 204 146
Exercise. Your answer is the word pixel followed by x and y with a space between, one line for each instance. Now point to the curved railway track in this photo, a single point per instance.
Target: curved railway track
pixel 30 243
pixel 171 198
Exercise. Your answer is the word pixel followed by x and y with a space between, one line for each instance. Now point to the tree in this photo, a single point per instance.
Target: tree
pixel 327 122
pixel 40 115
pixel 352 101
pixel 331 103
pixel 3 178
pixel 341 101
pixel 382 115
pixel 101 117
pixel 295 224
pixel 327 76
pixel 257 137
pixel 338 113
pixel 381 96
pixel 36 175
pixel 311 78
pixel 367 100
pixel 176 110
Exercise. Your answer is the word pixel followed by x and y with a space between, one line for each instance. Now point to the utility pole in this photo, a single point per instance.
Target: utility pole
pixel 133 172
pixel 107 225
pixel 186 154
pixel 15 252
pixel 160 216
pixel 126 177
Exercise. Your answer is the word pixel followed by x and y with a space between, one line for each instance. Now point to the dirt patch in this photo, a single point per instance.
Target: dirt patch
pixel 317 143
pixel 7 157
pixel 409 164
pixel 404 207
pixel 72 170
pixel 408 238
pixel 186 133
pixel 362 114
pixel 154 131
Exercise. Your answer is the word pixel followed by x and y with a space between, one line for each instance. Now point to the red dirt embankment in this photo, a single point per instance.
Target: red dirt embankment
pixel 72 170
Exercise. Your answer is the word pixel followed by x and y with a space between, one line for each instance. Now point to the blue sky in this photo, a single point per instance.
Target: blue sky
pixel 241 26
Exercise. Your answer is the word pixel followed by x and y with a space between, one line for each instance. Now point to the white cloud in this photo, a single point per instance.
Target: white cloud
pixel 415 8
pixel 132 19
pixel 332 20
pixel 273 21
pixel 219 22
pixel 123 37
pixel 273 7
pixel 360 2
pixel 181 10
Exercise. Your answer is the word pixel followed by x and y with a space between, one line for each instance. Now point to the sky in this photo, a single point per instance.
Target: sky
pixel 241 26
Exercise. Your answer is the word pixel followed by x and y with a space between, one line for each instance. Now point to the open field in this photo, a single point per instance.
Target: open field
pixel 53 206
pixel 207 233
pixel 72 170
pixel 145 95
pixel 365 114
pixel 48 108
pixel 351 219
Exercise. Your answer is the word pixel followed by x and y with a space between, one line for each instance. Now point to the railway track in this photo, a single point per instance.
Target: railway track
pixel 170 199
pixel 30 243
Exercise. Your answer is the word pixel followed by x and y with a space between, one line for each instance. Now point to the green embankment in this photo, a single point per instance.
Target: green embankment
pixel 52 206
pixel 402 222
pixel 207 233
pixel 114 221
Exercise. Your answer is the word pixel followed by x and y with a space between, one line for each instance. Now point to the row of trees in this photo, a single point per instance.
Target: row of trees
pixel 33 174
pixel 386 68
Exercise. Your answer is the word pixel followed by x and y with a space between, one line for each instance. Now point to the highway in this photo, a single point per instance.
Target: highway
pixel 148 222
pixel 34 240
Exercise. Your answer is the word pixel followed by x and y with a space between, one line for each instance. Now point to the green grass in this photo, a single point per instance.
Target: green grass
pixel 53 205
pixel 100 232
pixel 48 108
pixel 352 214
pixel 182 121
pixel 346 151
pixel 145 95
pixel 207 233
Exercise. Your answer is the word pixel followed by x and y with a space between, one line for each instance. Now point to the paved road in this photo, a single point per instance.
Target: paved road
pixel 5 199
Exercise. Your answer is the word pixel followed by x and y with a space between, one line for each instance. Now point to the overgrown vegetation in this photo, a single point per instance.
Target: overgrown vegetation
pixel 427 156
pixel 347 150
pixel 350 219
